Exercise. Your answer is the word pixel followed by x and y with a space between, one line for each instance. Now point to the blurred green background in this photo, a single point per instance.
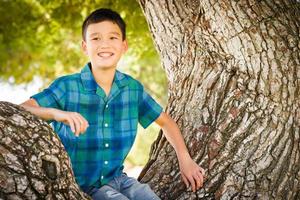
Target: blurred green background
pixel 42 38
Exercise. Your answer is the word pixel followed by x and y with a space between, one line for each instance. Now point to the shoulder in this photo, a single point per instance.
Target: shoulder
pixel 66 81
pixel 131 82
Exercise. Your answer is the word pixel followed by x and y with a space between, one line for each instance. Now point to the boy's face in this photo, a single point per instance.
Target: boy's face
pixel 104 44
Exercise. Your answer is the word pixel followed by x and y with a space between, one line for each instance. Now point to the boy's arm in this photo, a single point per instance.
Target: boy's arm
pixel 77 123
pixel 191 173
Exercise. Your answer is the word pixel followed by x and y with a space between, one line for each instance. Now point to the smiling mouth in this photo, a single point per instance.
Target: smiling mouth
pixel 105 54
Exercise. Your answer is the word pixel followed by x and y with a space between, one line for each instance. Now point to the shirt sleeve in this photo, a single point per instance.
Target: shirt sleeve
pixel 149 109
pixel 52 97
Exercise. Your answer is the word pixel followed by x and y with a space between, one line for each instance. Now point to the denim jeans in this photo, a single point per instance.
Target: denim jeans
pixel 123 188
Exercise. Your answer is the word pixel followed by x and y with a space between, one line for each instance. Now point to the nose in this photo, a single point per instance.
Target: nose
pixel 104 44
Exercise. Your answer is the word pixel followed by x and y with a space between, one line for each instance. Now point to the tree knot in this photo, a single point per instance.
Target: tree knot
pixel 51 166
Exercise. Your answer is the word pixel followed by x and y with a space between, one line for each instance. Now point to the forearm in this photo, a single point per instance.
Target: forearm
pixel 174 136
pixel 192 173
pixel 32 107
pixel 77 123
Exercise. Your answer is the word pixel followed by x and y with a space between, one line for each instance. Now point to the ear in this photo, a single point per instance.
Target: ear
pixel 125 46
pixel 83 46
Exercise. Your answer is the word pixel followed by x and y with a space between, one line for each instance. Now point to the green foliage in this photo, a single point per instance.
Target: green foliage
pixel 140 151
pixel 43 38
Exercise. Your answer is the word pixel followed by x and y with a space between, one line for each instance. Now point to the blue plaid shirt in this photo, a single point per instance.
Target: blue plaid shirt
pixel 97 156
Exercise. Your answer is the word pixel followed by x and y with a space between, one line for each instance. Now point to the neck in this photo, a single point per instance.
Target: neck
pixel 104 77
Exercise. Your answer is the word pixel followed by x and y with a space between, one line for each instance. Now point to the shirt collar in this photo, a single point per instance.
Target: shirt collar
pixel 89 82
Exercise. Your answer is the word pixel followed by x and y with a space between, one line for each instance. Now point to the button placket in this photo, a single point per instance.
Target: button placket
pixel 106 134
pixel 106 115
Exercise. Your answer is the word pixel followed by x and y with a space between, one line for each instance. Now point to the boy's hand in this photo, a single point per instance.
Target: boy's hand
pixel 191 173
pixel 76 121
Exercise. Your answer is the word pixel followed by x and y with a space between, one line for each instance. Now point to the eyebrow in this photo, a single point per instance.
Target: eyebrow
pixel 115 33
pixel 93 34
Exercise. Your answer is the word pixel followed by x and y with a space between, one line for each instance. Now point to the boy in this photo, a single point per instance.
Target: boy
pixel 96 112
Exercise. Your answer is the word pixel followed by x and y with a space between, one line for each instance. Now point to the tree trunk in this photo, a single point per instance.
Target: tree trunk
pixel 33 162
pixel 233 73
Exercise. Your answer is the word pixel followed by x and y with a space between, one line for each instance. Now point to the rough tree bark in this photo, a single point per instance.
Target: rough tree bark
pixel 233 73
pixel 33 162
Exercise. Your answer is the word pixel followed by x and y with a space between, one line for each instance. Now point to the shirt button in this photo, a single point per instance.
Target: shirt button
pixel 102 177
pixel 106 124
pixel 106 162
pixel 106 145
pixel 106 106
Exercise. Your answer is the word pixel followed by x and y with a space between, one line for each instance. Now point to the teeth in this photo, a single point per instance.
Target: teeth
pixel 105 54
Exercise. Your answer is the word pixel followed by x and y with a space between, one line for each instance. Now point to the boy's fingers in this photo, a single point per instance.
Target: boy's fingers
pixel 77 125
pixel 202 171
pixel 71 124
pixel 83 119
pixel 192 182
pixel 81 123
pixel 199 179
pixel 84 124
pixel 186 182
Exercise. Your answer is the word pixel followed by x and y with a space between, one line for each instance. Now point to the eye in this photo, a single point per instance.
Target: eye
pixel 96 38
pixel 113 38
